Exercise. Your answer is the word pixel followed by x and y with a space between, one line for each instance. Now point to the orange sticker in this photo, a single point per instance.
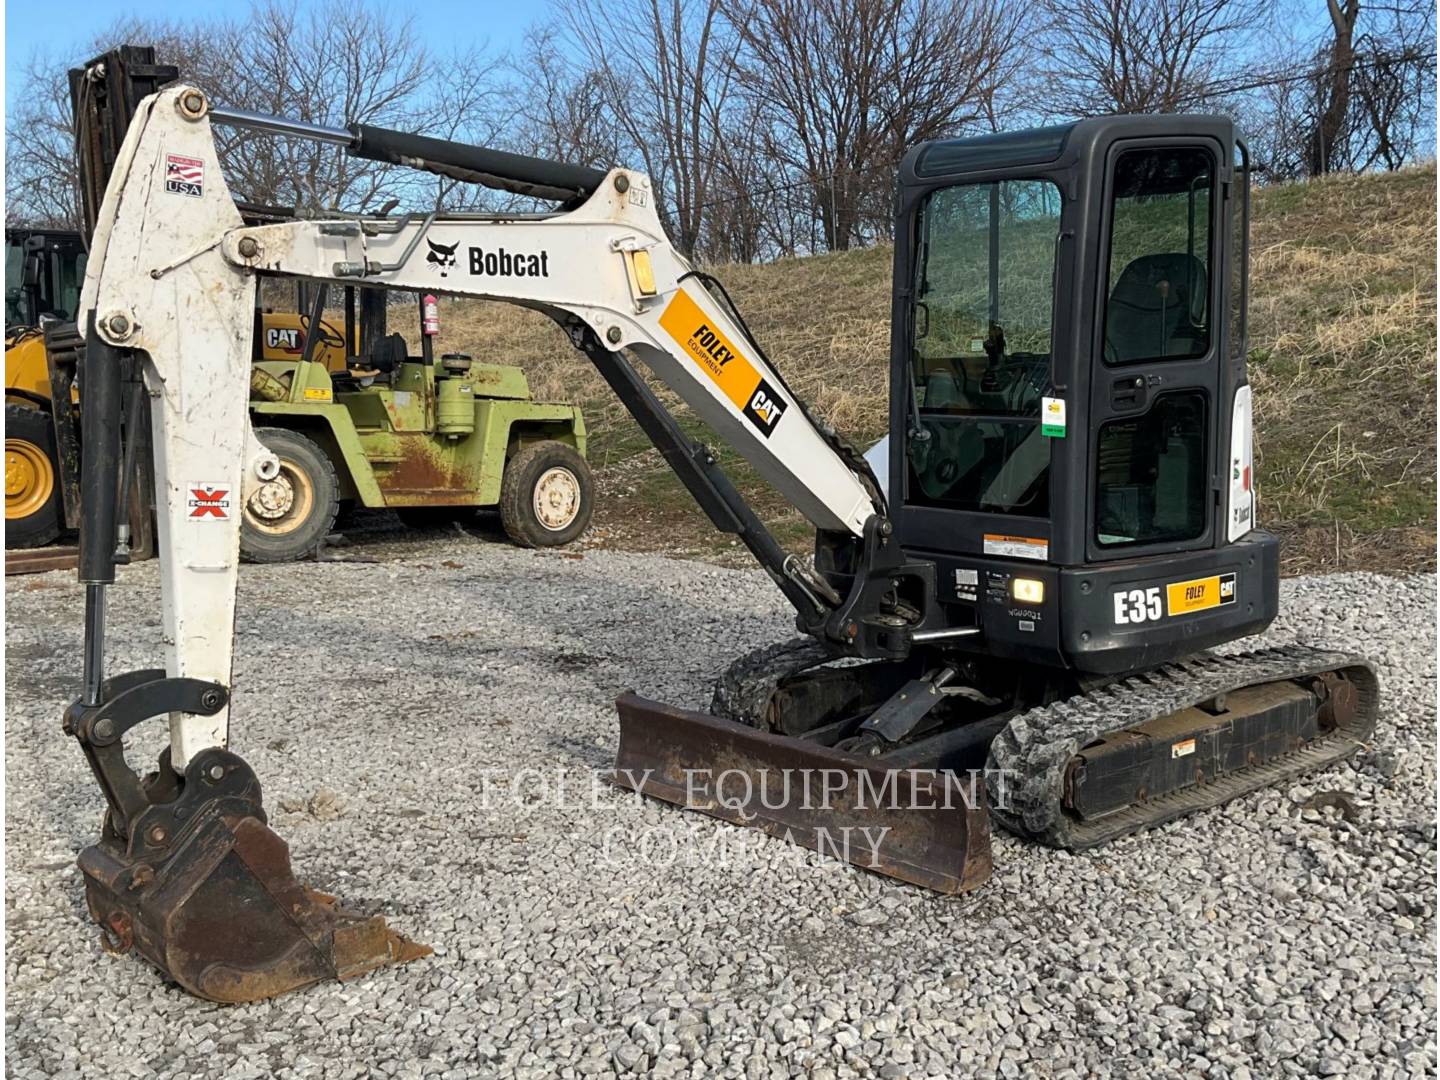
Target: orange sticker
pixel 719 358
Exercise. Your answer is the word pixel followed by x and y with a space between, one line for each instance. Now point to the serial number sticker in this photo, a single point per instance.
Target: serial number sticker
pixel 1182 749
pixel 1017 547
pixel 1200 594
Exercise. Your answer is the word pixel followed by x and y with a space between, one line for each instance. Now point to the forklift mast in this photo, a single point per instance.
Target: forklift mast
pixel 104 95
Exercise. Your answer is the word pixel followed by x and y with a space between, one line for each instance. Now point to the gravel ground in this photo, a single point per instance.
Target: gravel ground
pixel 609 935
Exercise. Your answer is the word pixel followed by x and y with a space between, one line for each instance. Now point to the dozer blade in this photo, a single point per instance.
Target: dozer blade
pixel 925 827
pixel 225 917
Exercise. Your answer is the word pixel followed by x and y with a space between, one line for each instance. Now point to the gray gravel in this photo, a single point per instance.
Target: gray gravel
pixel 1260 940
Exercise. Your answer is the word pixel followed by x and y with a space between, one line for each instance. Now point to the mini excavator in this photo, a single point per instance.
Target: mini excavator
pixel 1022 584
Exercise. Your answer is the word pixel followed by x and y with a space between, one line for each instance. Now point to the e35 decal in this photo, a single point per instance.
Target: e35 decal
pixel 1138 606
pixel 1176 598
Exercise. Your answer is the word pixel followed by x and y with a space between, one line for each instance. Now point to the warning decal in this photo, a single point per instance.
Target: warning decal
pixel 208 502
pixel 719 359
pixel 184 175
pixel 1016 547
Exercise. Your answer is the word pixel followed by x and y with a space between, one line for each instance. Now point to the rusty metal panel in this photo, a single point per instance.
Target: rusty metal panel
pixel 936 826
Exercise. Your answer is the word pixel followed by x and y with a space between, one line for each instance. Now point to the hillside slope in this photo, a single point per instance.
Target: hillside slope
pixel 1342 362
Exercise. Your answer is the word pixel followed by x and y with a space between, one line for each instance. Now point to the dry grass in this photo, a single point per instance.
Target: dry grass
pixel 1343 365
pixel 1342 361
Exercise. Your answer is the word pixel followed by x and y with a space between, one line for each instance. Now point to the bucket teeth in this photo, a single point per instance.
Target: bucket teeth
pixel 187 873
pixel 225 917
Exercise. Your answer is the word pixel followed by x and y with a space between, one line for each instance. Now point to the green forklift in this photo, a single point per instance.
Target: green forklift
pixel 362 422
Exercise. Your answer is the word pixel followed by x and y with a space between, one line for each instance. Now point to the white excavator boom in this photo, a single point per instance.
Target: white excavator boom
pixel 168 312
pixel 173 273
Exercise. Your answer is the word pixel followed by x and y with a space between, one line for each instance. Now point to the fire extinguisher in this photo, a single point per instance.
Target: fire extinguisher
pixel 430 318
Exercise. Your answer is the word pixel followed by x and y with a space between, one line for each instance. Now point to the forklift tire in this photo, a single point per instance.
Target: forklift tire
pixel 289 516
pixel 546 496
pixel 32 478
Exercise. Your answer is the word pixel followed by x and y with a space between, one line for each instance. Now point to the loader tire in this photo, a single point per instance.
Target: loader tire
pixel 290 515
pixel 546 496
pixel 32 478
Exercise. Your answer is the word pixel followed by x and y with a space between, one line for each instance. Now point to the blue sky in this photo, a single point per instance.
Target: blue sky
pixel 61 28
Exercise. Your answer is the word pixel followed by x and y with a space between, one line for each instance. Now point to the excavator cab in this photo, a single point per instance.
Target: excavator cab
pixel 1068 390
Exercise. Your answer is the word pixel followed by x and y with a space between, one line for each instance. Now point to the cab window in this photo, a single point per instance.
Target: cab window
pixel 1159 283
pixel 1151 477
pixel 980 358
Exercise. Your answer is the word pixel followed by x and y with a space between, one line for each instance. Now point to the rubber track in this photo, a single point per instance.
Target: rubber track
pixel 1028 759
pixel 743 690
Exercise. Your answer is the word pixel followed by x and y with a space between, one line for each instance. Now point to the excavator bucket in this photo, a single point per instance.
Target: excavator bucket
pixel 225 917
pixel 928 827
pixel 188 874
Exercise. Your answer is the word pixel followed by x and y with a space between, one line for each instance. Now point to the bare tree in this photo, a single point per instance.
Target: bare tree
pixel 1136 56
pixel 40 153
pixel 331 64
pixel 1361 97
pixel 40 184
pixel 562 109
pixel 1391 84
pixel 664 70
pixel 742 220
pixel 846 85
pixel 469 103
pixel 1335 64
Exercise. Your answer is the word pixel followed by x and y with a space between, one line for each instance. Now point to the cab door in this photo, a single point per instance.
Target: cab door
pixel 1160 350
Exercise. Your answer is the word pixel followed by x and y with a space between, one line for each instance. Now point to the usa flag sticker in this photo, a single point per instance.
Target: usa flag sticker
pixel 184 175
pixel 208 502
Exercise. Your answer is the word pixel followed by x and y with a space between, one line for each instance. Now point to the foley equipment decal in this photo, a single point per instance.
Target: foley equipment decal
pixel 1200 594
pixel 718 358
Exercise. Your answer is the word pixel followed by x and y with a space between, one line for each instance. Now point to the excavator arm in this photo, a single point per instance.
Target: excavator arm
pixel 167 312
pixel 173 271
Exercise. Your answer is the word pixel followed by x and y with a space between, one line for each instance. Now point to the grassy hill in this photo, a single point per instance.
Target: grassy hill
pixel 1342 336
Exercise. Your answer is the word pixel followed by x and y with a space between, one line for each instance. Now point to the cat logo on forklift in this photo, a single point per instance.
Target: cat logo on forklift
pixel 1134 606
pixel 279 338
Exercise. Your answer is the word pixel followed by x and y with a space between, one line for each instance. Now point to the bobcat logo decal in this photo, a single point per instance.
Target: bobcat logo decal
pixel 442 257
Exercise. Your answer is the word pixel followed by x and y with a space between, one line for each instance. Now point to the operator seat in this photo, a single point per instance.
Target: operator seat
pixel 1156 308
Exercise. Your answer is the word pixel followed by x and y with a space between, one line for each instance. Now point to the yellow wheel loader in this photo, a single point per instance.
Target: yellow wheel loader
pixel 1011 603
